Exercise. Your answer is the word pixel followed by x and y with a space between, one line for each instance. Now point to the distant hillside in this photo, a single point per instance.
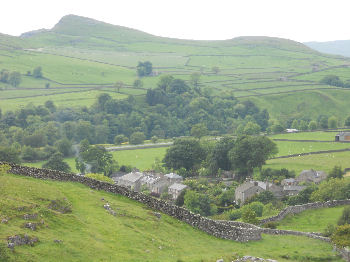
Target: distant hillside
pixel 339 47
pixel 81 57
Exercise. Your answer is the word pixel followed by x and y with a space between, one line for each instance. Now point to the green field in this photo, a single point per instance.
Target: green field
pixel 89 232
pixel 323 162
pixel 318 135
pixel 70 161
pixel 140 158
pixel 290 148
pixel 278 74
pixel 315 220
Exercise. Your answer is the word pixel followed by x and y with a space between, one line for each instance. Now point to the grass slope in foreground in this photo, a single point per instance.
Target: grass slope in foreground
pixel 90 233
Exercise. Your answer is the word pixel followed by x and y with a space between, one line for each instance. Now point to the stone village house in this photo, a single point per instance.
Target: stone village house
pixel 156 183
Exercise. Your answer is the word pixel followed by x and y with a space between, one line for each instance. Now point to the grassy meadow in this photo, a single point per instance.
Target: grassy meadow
pixel 323 162
pixel 314 220
pixel 90 233
pixel 290 148
pixel 140 158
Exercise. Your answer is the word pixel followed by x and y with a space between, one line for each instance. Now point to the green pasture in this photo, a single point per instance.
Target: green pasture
pixel 323 162
pixel 306 104
pixel 314 220
pixel 317 135
pixel 290 148
pixel 73 99
pixel 140 158
pixel 134 234
pixel 69 160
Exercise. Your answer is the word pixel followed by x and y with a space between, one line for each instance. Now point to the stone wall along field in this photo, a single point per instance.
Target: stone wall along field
pixel 236 231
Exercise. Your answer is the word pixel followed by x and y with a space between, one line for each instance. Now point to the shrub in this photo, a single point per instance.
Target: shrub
pixel 271 224
pixel 329 230
pixel 257 207
pixel 100 177
pixel 235 214
pixel 119 139
pixel 341 236
pixel 137 138
pixel 345 217
pixel 249 216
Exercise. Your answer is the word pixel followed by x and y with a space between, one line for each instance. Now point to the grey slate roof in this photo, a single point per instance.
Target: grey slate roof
pixel 173 176
pixel 293 188
pixel 132 177
pixel 177 186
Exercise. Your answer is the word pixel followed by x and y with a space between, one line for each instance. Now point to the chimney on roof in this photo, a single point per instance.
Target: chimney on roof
pixel 255 183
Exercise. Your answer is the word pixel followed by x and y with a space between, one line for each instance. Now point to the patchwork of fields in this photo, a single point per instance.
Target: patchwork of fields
pixel 277 74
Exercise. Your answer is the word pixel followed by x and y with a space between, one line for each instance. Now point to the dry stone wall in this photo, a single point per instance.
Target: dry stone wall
pixel 236 231
pixel 300 208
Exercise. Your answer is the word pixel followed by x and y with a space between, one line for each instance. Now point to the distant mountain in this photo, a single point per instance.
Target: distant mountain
pixel 339 47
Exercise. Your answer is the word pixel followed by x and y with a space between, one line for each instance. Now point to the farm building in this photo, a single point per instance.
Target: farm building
pixel 175 189
pixel 343 137
pixel 311 176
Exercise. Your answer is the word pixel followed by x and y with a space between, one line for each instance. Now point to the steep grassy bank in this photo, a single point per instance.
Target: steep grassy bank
pixel 90 233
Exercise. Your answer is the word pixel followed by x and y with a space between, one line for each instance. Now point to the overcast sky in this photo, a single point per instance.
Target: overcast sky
pixel 300 20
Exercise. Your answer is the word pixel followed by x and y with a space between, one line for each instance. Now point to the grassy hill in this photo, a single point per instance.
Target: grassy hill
pixel 80 54
pixel 90 233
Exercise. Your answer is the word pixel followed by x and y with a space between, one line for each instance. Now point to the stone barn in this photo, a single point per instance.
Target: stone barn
pixel 343 137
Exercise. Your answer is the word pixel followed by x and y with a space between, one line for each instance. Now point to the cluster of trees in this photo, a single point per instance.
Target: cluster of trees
pixel 322 122
pixel 144 69
pixel 334 80
pixel 207 198
pixel 12 78
pixel 189 157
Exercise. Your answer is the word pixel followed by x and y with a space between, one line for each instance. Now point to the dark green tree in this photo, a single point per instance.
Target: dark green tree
pixel 15 79
pixel 37 72
pixel 336 172
pixel 137 138
pixel 9 154
pixel 64 146
pixel 199 130
pixel 119 139
pixel 345 217
pixel 251 152
pixel 185 153
pixel 218 157
pixel 138 83
pixel 79 165
pixel 144 68
pixel 56 162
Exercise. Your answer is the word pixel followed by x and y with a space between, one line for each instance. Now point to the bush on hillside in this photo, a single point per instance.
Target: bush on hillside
pixel 334 189
pixel 249 216
pixel 329 230
pixel 257 207
pixel 235 214
pixel 345 217
pixel 341 236
pixel 271 224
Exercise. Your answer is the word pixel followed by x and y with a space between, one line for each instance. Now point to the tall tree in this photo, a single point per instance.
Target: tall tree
pixel 185 153
pixel 144 68
pixel 56 162
pixel 37 72
pixel 15 79
pixel 251 152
